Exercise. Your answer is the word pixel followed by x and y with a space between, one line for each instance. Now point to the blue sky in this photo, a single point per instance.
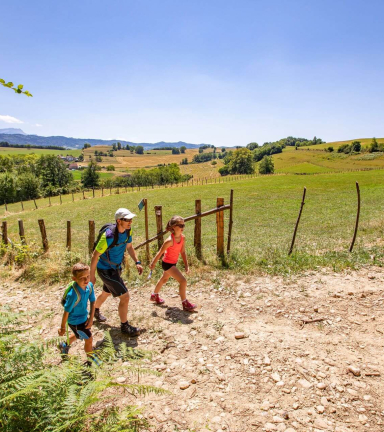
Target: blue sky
pixel 220 72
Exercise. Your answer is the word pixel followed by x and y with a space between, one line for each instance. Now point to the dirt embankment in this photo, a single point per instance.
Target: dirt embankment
pixel 262 354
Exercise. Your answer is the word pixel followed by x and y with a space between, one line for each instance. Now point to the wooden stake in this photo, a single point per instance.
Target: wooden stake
pixel 220 228
pixel 93 192
pixel 6 208
pixel 197 238
pixel 159 225
pixel 4 231
pixel 21 232
pixel 22 205
pixel 73 198
pixel 102 191
pixel 91 238
pixel 49 198
pixel 146 230
pixel 297 222
pixel 357 217
pixel 230 222
pixel 35 203
pixel 61 202
pixel 83 195
pixel 69 239
pixel 43 235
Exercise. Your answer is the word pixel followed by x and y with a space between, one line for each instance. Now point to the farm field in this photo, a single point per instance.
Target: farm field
pixel 13 151
pixel 103 175
pixel 265 212
pixel 123 159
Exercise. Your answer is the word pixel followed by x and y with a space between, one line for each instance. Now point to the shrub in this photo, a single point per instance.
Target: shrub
pixel 266 165
pixel 110 168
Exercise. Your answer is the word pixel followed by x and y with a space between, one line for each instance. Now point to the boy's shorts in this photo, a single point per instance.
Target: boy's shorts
pixel 112 282
pixel 81 327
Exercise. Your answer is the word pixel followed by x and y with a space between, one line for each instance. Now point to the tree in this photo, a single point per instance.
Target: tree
pixel 356 146
pixel 7 188
pixel 6 164
pixel 266 165
pixel 86 145
pixel 252 146
pixel 201 150
pixel 139 150
pixel 27 187
pixel 118 146
pixel 242 162
pixel 99 159
pixel 330 149
pixel 90 177
pixel 182 149
pixel 374 146
pixel 53 171
pixel 223 149
pixel 175 150
pixel 18 89
pixel 110 168
pixel 114 147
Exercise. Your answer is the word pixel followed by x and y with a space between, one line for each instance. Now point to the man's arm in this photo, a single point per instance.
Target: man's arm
pixel 94 260
pixel 132 254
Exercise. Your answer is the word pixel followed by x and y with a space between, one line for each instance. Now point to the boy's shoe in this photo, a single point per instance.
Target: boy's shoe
pixel 99 316
pixel 130 330
pixel 188 306
pixel 156 298
pixel 64 348
pixel 94 360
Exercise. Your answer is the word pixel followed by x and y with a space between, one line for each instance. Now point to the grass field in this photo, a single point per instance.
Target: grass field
pixel 103 175
pixel 13 151
pixel 265 213
pixel 314 159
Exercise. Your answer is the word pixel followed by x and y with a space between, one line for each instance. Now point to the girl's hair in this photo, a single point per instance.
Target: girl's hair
pixel 173 221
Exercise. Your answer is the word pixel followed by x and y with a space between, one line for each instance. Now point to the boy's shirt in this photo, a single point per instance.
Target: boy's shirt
pixel 79 314
pixel 116 254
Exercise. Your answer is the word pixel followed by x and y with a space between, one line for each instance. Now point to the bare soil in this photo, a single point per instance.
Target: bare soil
pixel 262 354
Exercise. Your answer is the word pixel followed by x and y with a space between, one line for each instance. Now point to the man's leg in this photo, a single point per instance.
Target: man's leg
pixel 123 307
pixel 101 299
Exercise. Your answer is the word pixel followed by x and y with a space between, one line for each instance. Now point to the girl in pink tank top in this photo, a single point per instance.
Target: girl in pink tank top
pixel 172 248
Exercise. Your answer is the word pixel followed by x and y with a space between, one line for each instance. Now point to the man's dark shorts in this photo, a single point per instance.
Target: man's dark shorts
pixel 113 283
pixel 82 328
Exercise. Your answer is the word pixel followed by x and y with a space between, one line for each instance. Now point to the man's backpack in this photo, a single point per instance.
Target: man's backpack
pixel 112 227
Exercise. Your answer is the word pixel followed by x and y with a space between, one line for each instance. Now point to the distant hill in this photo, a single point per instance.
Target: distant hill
pixel 21 138
pixel 12 131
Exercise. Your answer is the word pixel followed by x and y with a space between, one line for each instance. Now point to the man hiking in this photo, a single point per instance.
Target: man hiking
pixel 112 242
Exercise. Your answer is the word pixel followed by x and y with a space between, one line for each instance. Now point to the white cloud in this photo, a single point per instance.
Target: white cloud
pixel 38 125
pixel 9 119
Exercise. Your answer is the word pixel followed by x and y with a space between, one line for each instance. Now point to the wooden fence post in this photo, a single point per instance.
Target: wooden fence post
pixel 146 229
pixel 357 217
pixel 102 192
pixel 43 235
pixel 159 225
pixel 21 232
pixel 22 205
pixel 91 238
pixel 49 199
pixel 73 198
pixel 93 192
pixel 69 238
pixel 83 195
pixel 35 203
pixel 230 222
pixel 220 228
pixel 61 202
pixel 297 222
pixel 4 231
pixel 197 238
pixel 6 208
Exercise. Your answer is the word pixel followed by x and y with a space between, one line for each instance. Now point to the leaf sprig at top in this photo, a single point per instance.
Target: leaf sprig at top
pixel 18 89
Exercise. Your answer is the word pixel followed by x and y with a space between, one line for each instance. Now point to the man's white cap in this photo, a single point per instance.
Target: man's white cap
pixel 122 213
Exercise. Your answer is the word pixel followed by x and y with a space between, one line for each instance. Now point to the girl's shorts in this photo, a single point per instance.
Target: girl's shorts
pixel 166 266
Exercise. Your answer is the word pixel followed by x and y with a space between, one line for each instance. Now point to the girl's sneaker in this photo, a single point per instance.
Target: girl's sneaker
pixel 188 306
pixel 157 299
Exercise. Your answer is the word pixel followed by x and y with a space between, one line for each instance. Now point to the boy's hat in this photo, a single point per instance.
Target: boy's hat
pixel 122 213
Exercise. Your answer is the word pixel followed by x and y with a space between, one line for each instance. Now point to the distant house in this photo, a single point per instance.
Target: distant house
pixel 70 158
pixel 73 166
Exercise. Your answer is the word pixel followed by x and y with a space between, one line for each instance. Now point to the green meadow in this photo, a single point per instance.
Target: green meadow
pixel 265 212
pixel 103 175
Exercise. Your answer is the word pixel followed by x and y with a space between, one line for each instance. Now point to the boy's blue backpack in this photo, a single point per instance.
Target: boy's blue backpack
pixel 78 295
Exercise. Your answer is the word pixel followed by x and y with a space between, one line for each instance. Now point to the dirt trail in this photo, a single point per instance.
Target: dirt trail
pixel 279 375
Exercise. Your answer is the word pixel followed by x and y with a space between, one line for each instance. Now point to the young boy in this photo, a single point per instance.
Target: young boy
pixel 75 309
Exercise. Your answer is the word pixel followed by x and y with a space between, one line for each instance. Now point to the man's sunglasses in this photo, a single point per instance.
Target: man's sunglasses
pixel 126 220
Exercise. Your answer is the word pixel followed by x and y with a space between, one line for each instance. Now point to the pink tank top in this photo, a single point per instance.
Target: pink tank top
pixel 171 255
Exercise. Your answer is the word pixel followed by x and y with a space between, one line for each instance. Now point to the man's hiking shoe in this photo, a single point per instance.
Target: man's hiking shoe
pixel 130 330
pixel 99 316
pixel 64 348
pixel 188 306
pixel 157 299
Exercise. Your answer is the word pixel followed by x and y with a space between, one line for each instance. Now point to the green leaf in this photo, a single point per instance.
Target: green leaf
pixel 20 86
pixel 27 93
pixel 2 81
pixel 10 84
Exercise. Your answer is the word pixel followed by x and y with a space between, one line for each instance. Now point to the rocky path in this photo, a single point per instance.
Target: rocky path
pixel 262 353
